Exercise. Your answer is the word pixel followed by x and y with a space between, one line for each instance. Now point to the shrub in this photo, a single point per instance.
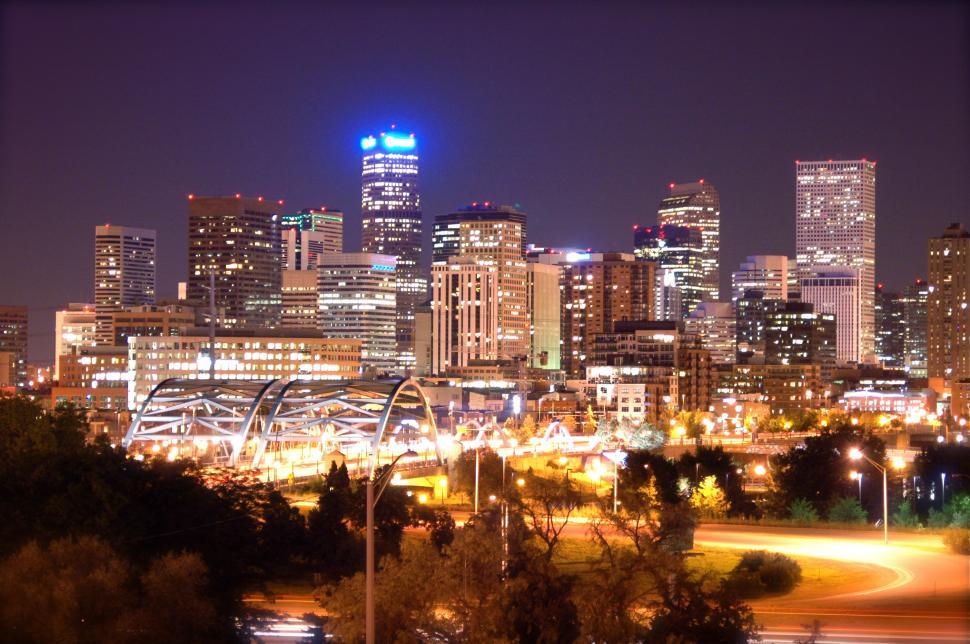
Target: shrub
pixel 847 510
pixel 802 511
pixel 957 540
pixel 761 572
pixel 905 516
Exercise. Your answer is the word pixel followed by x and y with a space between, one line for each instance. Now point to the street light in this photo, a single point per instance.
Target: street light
pixel 617 457
pixel 372 500
pixel 855 454
pixel 857 476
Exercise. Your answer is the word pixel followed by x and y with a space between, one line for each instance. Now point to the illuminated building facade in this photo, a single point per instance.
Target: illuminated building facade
pixel 447 232
pixel 915 297
pixel 238 238
pixel 795 334
pixel 599 290
pixel 678 254
pixel 391 225
pixel 155 320
pixel 124 273
pixel 948 316
pixel 697 206
pixel 358 299
pixel 308 234
pixel 74 328
pixel 890 309
pixel 835 229
pixel 300 299
pixel 93 378
pixel 836 292
pixel 464 313
pixel 766 273
pixel 13 346
pixel 241 355
pixel 716 326
pixel 544 307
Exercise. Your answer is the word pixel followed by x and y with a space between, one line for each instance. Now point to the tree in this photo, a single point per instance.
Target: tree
pixel 281 531
pixel 440 525
pixel 802 511
pixel 331 544
pixel 905 516
pixel 527 428
pixel 569 423
pixel 847 510
pixel 489 473
pixel 546 506
pixel 692 422
pixel 708 499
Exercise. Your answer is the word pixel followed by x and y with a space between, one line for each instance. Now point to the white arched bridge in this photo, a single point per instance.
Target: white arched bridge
pixel 258 422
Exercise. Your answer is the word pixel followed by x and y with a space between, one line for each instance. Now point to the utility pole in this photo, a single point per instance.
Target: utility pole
pixel 212 323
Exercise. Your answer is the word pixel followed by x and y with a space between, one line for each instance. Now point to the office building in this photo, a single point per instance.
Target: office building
pixel 464 313
pixel 768 274
pixel 93 378
pixel 915 297
pixel 836 292
pixel 835 229
pixel 241 354
pixel 13 346
pixel 238 239
pixel 697 206
pixel 358 299
pixel 598 290
pixel 308 234
pixel 422 339
pixel 447 232
pixel 948 316
pixel 678 254
pixel 301 296
pixel 795 334
pixel 751 310
pixel 714 323
pixel 74 328
pixel 786 388
pixel 890 328
pixel 153 320
pixel 124 273
pixel 544 306
pixel 391 225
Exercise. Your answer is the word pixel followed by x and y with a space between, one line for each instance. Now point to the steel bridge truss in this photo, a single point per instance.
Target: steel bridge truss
pixel 328 416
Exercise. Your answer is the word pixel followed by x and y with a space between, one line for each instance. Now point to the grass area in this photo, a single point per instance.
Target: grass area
pixel 820 577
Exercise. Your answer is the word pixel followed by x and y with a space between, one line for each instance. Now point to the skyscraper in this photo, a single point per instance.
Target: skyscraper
pixel 714 323
pixel 545 311
pixel 837 292
pixel 446 234
pixel 391 214
pixel 890 328
pixel 300 300
pixel 465 306
pixel 679 255
pixel 308 234
pixel 74 328
pixel 124 273
pixel 697 205
pixel 835 228
pixel 766 273
pixel 915 297
pixel 358 300
pixel 238 238
pixel 948 316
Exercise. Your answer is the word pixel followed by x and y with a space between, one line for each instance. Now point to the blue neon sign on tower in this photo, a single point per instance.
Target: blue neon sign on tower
pixel 389 142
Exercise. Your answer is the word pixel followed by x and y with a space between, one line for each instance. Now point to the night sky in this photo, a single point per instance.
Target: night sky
pixel 580 114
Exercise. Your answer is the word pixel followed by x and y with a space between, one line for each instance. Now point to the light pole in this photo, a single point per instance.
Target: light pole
pixel 855 454
pixel 616 456
pixel 857 476
pixel 372 500
pixel 476 479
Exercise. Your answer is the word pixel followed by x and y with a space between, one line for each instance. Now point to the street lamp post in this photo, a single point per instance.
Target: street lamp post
pixel 855 454
pixel 476 480
pixel 372 500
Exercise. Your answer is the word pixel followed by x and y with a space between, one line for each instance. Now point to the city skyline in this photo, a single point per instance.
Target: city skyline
pixel 632 147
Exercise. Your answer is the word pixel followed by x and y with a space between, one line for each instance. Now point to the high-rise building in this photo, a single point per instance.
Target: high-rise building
pixel 890 328
pixel 300 300
pixel 598 290
pixel 74 328
pixel 465 311
pixel 447 233
pixel 544 307
pixel 716 326
pixel 835 229
pixel 237 238
pixel 679 255
pixel 124 273
pixel 796 334
pixel 308 234
pixel 358 299
pixel 915 297
pixel 837 292
pixel 948 316
pixel 391 214
pixel 697 205
pixel 766 273
pixel 151 320
pixel 13 346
